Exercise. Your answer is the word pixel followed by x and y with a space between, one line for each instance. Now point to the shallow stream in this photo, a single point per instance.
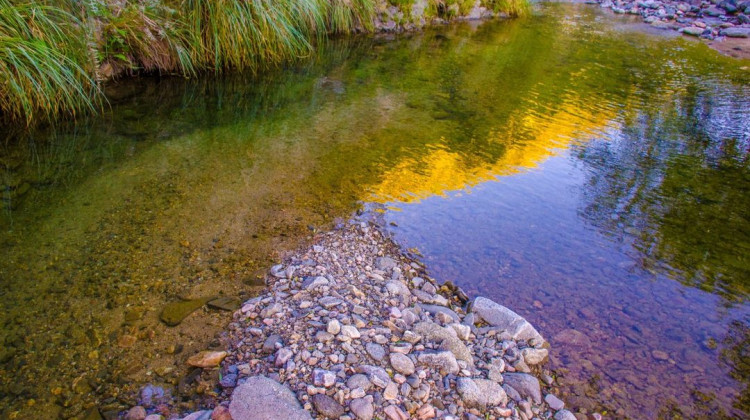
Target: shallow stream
pixel 590 176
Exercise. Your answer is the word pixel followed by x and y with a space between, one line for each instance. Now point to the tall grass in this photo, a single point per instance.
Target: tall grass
pixel 45 65
pixel 52 52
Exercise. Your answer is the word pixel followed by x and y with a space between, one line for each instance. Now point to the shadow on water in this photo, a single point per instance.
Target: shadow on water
pixel 594 181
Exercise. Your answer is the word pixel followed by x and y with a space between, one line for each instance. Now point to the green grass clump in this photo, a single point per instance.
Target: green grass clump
pixel 52 52
pixel 514 8
pixel 45 66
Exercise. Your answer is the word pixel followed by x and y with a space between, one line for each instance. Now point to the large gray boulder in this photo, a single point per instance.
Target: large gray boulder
pixel 262 398
pixel 503 318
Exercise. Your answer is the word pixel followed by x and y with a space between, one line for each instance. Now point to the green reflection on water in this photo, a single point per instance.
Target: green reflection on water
pixel 191 188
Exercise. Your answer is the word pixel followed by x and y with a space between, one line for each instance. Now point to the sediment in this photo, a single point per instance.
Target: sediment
pixel 353 328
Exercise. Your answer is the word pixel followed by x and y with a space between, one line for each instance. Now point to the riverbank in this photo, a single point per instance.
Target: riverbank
pixel 725 25
pixel 351 327
pixel 55 56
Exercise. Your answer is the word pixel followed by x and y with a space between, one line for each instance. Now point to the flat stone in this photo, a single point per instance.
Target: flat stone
pixel 262 398
pixel 327 406
pixel 443 360
pixel 173 313
pixel 199 415
pixel 436 309
pixel 376 374
pixel 481 393
pixel 402 363
pixel 350 331
pixel 565 415
pixel 362 408
pixel 573 338
pixel 329 302
pixel 534 356
pixel 271 310
pixel 358 381
pixel 393 412
pixel 207 359
pixel 526 385
pixel 385 263
pixel 396 288
pixel 225 304
pixel 376 351
pixel 314 282
pixel 692 31
pixel 553 402
pixel 447 338
pixel 503 318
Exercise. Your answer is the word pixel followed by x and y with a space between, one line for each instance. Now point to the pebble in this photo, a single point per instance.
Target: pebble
pixel 362 408
pixel 332 342
pixel 333 327
pixel 327 406
pixel 376 351
pixel 554 402
pixel 402 364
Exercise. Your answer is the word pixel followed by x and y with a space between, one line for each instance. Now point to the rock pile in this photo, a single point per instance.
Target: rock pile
pixel 705 19
pixel 352 329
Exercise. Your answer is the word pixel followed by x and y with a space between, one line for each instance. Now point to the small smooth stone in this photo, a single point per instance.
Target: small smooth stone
pixel 376 351
pixel 402 364
pixel 207 359
pixel 359 381
pixel 564 415
pixel 362 408
pixel 391 391
pixel 333 326
pixel 350 331
pixel 327 406
pixel 554 402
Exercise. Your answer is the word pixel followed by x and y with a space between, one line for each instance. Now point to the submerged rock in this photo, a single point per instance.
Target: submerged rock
pixel 526 385
pixel 173 313
pixel 501 317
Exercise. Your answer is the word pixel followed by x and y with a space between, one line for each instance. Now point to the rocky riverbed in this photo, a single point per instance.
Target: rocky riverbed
pixel 352 328
pixel 699 18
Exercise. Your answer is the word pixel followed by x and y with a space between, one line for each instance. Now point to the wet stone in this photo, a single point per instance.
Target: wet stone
pixel 173 313
pixel 327 406
pixel 225 304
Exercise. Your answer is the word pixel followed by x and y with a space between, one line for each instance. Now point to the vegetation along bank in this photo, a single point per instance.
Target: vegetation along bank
pixel 55 54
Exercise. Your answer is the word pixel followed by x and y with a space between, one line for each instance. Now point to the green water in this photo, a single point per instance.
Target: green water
pixel 192 188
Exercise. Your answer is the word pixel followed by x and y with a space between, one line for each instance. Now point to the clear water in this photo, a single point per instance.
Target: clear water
pixel 592 177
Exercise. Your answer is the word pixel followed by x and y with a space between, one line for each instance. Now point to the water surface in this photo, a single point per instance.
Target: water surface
pixel 591 177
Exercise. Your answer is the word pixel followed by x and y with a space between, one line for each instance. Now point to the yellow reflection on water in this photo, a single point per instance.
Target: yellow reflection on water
pixel 534 138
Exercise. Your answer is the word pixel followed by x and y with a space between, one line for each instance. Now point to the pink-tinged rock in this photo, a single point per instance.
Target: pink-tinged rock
pixel 207 359
pixel 393 412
